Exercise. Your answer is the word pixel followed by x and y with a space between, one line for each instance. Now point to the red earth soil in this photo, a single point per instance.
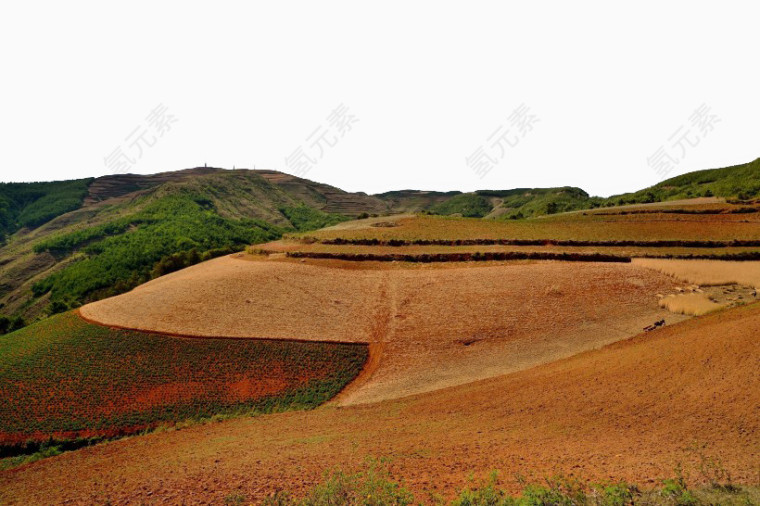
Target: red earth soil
pixel 632 410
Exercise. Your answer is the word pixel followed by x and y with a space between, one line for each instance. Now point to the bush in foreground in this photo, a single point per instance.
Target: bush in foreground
pixel 374 486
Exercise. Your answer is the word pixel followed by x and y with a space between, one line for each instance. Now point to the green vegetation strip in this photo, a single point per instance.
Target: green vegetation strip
pixel 738 210
pixel 66 379
pixel 533 242
pixel 476 256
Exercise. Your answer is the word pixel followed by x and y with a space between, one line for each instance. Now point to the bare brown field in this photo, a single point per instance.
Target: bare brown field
pixel 439 327
pixel 631 411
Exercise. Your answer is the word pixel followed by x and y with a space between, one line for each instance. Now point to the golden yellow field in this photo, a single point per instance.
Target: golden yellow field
pixel 707 272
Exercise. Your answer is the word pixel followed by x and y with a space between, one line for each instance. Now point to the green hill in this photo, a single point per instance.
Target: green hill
pixel 32 204
pixel 529 202
pixel 105 236
pixel 740 182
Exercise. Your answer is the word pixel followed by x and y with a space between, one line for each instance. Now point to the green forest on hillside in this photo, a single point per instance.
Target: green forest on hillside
pixel 467 205
pixel 171 233
pixel 741 182
pixel 177 230
pixel 529 202
pixel 32 204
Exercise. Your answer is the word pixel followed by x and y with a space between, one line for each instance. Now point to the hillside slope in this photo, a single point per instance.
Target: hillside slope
pixel 125 229
pixel 740 182
pixel 633 411
pixel 32 204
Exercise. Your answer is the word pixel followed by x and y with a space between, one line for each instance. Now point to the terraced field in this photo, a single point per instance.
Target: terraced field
pixel 597 225
pixel 66 379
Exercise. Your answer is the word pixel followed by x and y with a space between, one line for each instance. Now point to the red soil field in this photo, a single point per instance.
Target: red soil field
pixel 631 410
pixel 67 379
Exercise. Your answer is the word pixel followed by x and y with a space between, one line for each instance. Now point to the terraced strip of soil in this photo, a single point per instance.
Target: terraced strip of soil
pixel 488 256
pixel 573 227
pixel 734 243
pixel 633 411
pixel 439 326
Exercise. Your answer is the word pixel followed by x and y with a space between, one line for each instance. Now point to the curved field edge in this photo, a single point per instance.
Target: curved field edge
pixel 66 379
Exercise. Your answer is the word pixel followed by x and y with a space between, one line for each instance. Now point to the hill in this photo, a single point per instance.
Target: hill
pixel 512 204
pixel 741 182
pixel 480 353
pixel 84 240
pixel 32 204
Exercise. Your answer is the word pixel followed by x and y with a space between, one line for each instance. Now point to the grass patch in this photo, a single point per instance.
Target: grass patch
pixel 375 486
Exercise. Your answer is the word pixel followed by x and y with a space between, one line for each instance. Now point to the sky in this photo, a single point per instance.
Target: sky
pixel 372 97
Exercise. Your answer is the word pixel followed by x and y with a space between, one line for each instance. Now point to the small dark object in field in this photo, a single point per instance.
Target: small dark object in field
pixel 654 325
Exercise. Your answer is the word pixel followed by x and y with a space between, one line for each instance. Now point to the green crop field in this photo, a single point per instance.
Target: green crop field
pixel 65 378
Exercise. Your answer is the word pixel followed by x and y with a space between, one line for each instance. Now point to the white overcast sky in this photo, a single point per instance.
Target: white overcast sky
pixel 605 86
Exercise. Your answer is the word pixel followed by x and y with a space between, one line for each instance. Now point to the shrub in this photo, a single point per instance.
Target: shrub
pixel 11 324
pixel 234 498
pixel 558 491
pixel 615 494
pixel 675 489
pixel 485 495
pixel 304 218
pixel 370 487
